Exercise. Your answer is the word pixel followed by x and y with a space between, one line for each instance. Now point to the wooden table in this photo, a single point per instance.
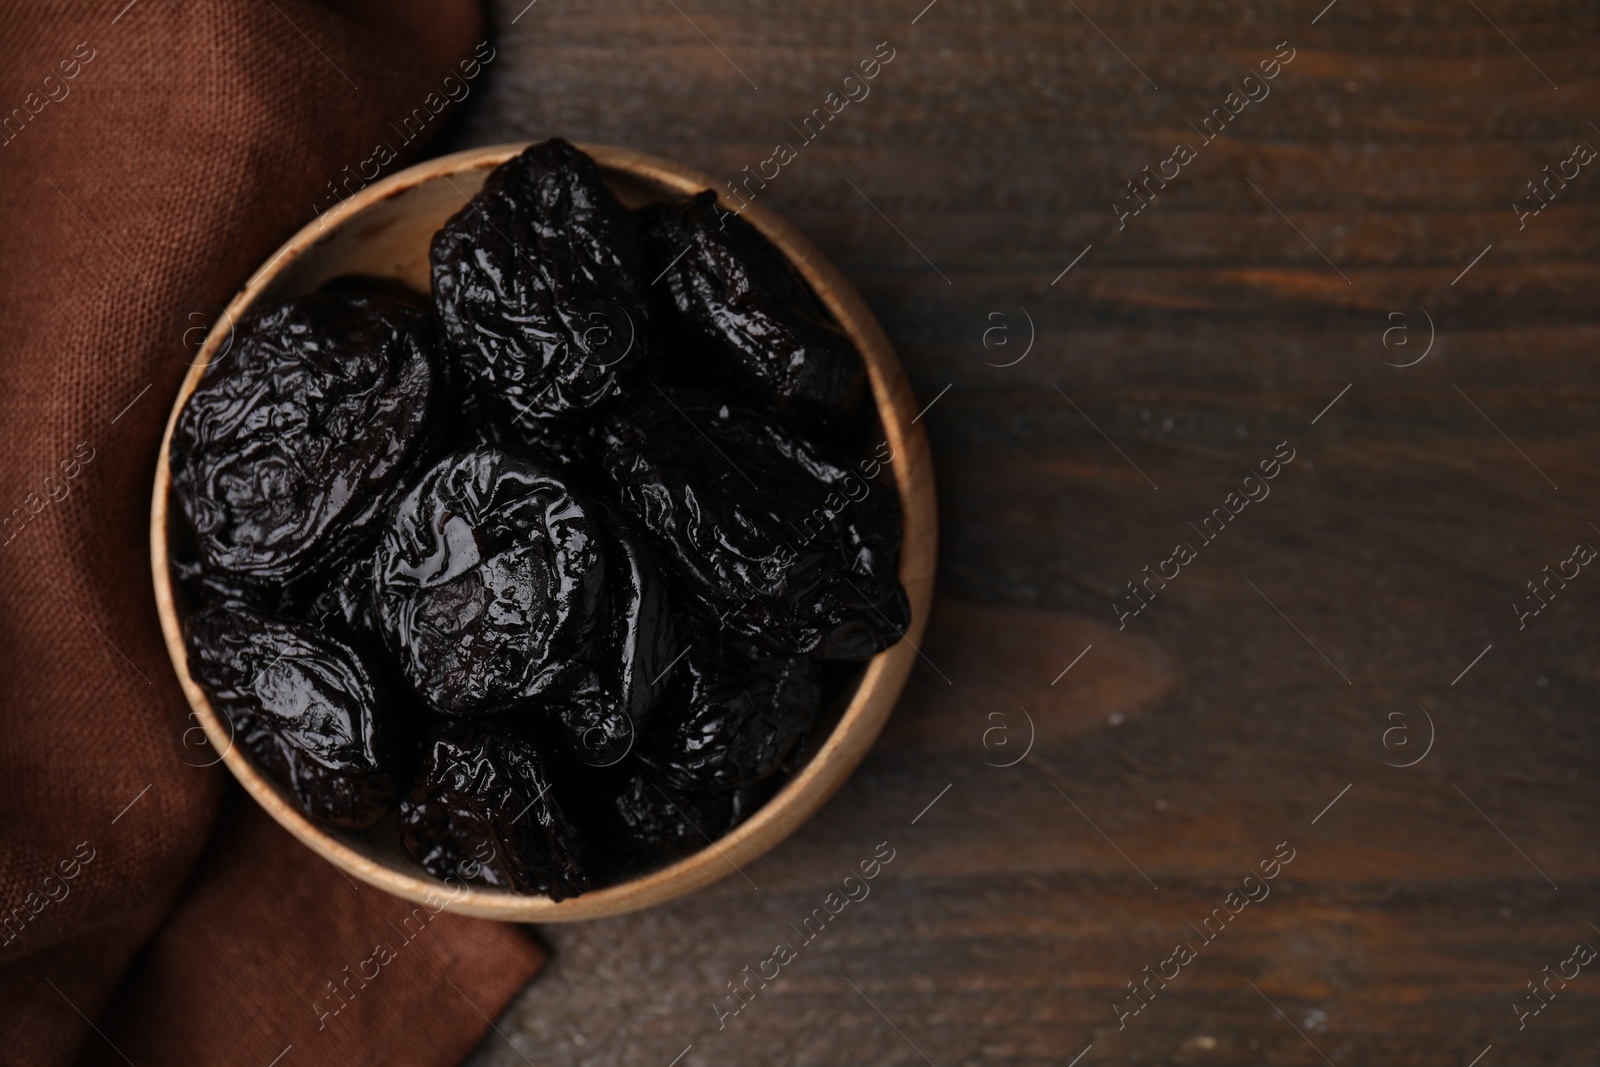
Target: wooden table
pixel 1355 217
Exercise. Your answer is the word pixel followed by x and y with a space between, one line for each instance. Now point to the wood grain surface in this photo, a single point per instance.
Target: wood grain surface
pixel 1263 699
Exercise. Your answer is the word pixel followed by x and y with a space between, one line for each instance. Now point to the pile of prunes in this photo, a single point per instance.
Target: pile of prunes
pixel 559 563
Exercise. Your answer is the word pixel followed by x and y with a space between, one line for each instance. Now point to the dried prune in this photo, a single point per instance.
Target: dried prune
pixel 785 546
pixel 653 820
pixel 731 713
pixel 644 818
pixel 203 588
pixel 534 282
pixel 564 444
pixel 605 711
pixel 632 817
pixel 307 709
pixel 490 583
pixel 347 599
pixel 483 808
pixel 737 294
pixel 290 448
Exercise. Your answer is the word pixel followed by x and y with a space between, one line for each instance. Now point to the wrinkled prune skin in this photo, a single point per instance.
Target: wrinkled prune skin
pixel 203 588
pixel 654 821
pixel 564 444
pixel 346 599
pixel 292 446
pixel 732 713
pixel 644 820
pixel 483 808
pixel 535 284
pixel 605 712
pixel 631 818
pixel 490 583
pixel 307 709
pixel 739 296
pixel 784 546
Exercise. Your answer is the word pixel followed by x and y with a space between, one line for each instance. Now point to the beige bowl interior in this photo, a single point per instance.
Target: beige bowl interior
pixel 385 230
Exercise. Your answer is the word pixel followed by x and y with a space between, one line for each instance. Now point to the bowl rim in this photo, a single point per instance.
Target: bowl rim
pixel 869 706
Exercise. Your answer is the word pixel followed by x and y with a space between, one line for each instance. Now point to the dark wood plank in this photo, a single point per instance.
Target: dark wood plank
pixel 1257 686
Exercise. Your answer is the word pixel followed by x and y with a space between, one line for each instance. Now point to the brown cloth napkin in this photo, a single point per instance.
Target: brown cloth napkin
pixel 152 154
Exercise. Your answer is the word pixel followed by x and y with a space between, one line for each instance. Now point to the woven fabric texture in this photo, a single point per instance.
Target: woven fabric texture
pixel 152 155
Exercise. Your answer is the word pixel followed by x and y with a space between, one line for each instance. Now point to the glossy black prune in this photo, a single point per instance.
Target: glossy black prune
pixel 566 445
pixel 652 820
pixel 641 819
pixel 346 599
pixel 731 714
pixel 534 283
pixel 784 546
pixel 490 583
pixel 291 447
pixel 202 588
pixel 483 808
pixel 738 295
pixel 604 713
pixel 307 709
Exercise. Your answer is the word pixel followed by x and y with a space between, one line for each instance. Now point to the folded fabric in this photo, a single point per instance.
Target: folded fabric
pixel 152 155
